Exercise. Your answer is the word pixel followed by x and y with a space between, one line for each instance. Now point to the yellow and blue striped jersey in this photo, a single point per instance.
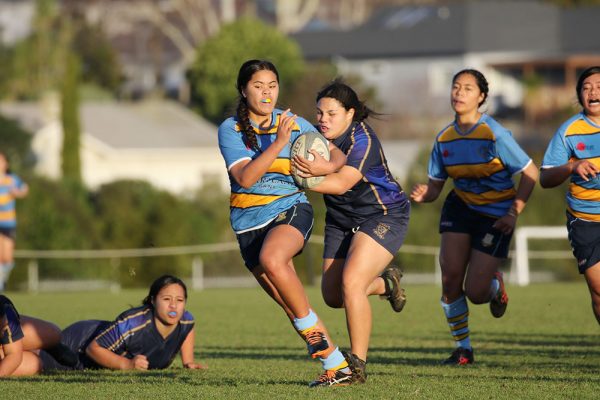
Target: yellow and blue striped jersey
pixel 578 139
pixel 275 191
pixel 481 163
pixel 8 216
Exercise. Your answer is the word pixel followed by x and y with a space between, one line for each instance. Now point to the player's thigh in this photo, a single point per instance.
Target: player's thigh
pixel 365 261
pixel 482 268
pixel 331 281
pixel 281 244
pixel 455 251
pixel 7 246
pixel 30 365
pixel 592 277
pixel 38 334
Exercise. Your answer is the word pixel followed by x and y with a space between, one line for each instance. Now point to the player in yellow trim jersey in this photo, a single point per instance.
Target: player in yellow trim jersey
pixel 480 213
pixel 270 215
pixel 11 188
pixel 574 153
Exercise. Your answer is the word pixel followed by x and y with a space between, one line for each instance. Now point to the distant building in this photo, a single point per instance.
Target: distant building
pixel 158 141
pixel 409 54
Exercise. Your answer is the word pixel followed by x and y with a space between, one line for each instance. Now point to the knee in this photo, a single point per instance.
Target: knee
pixel 352 288
pixel 333 300
pixel 271 264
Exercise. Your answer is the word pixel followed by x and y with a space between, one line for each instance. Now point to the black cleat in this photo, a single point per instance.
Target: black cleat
pixel 393 292
pixel 460 356
pixel 63 355
pixel 357 366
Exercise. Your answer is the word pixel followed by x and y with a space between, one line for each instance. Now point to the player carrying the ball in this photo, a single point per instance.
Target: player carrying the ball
pixel 270 215
pixel 367 217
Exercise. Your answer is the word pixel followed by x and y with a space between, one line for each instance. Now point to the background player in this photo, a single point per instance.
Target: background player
pixel 21 337
pixel 574 152
pixel 11 187
pixel 161 325
pixel 480 213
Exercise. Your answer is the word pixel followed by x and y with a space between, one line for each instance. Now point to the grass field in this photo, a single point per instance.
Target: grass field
pixel 545 347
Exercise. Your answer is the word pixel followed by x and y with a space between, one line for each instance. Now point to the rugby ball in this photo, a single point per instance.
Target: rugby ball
pixel 301 147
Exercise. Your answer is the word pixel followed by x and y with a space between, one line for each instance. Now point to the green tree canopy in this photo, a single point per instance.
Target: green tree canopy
pixel 214 72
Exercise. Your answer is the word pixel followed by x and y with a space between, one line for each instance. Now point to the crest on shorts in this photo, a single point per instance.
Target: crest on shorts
pixel 281 216
pixel 487 240
pixel 381 229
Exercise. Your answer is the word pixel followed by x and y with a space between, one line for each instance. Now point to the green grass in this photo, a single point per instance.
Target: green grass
pixel 545 347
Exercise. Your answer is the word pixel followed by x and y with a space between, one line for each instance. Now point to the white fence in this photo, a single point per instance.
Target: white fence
pixel 519 273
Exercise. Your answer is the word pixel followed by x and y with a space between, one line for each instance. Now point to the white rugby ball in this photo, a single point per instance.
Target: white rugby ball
pixel 301 147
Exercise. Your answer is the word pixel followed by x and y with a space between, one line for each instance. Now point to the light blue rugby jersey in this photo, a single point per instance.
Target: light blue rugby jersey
pixel 481 162
pixel 272 194
pixel 8 215
pixel 577 139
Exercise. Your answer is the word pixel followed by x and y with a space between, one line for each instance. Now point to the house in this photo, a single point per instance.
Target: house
pixel 158 141
pixel 409 54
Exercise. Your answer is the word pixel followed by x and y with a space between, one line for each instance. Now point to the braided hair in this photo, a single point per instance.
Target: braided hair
pixel 243 116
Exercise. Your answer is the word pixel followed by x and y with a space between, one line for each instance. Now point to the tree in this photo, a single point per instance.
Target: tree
pixel 214 72
pixel 71 164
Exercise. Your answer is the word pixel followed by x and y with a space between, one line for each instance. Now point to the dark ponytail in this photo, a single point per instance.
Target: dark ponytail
pixel 244 75
pixel 348 98
pixel 160 283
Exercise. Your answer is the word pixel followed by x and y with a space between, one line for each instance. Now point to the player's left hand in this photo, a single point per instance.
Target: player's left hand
pixel 506 224
pixel 195 366
pixel 308 169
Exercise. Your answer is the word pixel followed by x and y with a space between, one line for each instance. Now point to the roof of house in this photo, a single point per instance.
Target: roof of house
pixel 483 26
pixel 152 124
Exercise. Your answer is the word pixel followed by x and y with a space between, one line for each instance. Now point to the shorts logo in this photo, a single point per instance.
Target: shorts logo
pixel 582 262
pixel 446 223
pixel 381 229
pixel 281 216
pixel 487 240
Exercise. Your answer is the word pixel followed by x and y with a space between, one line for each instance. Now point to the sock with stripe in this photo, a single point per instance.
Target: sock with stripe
pixel 335 361
pixel 457 315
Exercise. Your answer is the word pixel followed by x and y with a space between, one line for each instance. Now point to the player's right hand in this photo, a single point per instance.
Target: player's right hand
pixel 139 362
pixel 419 192
pixel 286 123
pixel 585 169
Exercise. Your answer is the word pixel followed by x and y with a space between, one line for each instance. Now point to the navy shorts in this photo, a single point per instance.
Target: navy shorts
pixel 584 237
pixel 300 216
pixel 10 233
pixel 388 230
pixel 458 217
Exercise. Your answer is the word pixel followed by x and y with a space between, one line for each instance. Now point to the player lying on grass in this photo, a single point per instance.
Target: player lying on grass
pixel 145 337
pixel 21 338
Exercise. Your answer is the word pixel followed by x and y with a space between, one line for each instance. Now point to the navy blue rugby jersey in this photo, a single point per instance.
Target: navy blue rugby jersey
pixel 134 333
pixel 377 192
pixel 10 324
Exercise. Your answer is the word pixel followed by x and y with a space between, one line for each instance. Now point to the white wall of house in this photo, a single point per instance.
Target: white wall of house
pixel 180 171
pixel 421 85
